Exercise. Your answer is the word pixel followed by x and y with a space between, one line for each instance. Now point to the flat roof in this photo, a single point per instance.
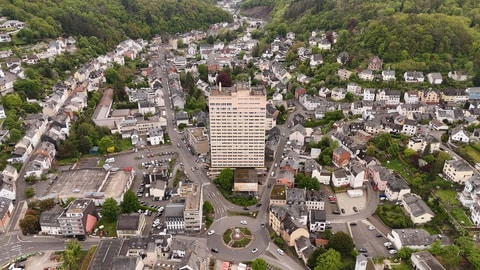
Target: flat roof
pixel 192 202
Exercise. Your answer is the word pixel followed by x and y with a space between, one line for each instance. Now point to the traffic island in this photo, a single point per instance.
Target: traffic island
pixel 237 237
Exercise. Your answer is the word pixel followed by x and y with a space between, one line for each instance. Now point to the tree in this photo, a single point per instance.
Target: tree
pixel 71 256
pixel 312 260
pixel 225 79
pixel 104 143
pixel 342 243
pixel 15 135
pixel 45 205
pixel 130 203
pixel 349 97
pixel 30 224
pixel 330 260
pixel 110 210
pixel 31 88
pixel 111 75
pixel 12 101
pixel 405 253
pixel 208 207
pixel 307 182
pixel 30 192
pixel 225 179
pixel 428 149
pixel 259 264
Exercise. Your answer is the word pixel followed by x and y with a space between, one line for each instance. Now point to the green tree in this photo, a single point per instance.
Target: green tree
pixel 259 264
pixel 330 260
pixel 104 143
pixel 307 182
pixel 225 179
pixel 30 224
pixel 30 192
pixel 342 243
pixel 31 88
pixel 130 203
pixel 110 210
pixel 12 101
pixel 208 207
pixel 349 97
pixel 71 256
pixel 45 205
pixel 312 260
pixel 15 135
pixel 405 253
pixel 111 75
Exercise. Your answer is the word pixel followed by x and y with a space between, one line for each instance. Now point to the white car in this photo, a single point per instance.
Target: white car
pixel 211 232
pixel 243 222
pixel 371 228
pixel 392 251
pixel 387 244
pixel 255 250
pixel 281 252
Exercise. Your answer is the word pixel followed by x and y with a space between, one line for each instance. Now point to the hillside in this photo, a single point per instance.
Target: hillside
pixel 113 20
pixel 428 35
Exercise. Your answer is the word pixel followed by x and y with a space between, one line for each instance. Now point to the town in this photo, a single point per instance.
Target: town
pixel 227 160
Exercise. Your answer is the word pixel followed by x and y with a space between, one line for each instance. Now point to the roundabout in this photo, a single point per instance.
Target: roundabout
pixel 237 237
pixel 234 240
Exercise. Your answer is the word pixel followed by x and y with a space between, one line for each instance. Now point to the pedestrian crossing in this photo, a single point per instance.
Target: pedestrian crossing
pixel 12 233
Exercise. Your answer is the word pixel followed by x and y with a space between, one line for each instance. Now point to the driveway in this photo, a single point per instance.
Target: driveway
pixel 365 238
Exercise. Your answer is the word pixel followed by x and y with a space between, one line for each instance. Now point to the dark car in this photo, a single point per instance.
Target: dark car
pixel 355 209
pixel 353 224
pixel 259 204
pixel 246 208
pixel 336 212
pixel 262 225
pixel 215 250
pixel 343 211
pixel 378 235
pixel 269 185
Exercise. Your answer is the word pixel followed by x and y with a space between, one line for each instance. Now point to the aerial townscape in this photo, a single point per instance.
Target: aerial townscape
pixel 235 135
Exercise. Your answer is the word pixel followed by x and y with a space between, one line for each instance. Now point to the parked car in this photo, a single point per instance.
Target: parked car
pixel 378 235
pixel 211 232
pixel 259 204
pixel 371 228
pixel 353 224
pixel 355 209
pixel 281 252
pixel 362 250
pixel 343 211
pixel 387 244
pixel 392 251
pixel 255 250
pixel 243 222
pixel 336 212
pixel 215 250
pixel 246 208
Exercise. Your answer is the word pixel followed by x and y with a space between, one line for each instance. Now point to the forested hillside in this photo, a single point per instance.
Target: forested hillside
pixel 112 20
pixel 421 34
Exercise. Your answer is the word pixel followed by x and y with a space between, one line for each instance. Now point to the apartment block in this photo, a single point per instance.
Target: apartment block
pixel 237 126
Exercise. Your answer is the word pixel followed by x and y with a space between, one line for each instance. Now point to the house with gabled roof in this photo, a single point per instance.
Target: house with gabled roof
pixel 375 63
pixel 366 75
pixel 459 76
pixel 434 78
pixel 341 177
pixel 457 171
pixel 396 188
pixel 470 194
pixel 418 210
pixel 413 76
pixel 458 134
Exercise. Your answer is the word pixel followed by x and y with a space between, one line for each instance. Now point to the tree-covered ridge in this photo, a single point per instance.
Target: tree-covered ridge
pixel 113 20
pixel 427 35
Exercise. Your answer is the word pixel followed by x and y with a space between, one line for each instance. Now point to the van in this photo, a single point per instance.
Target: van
pixel 147 195
pixel 272 174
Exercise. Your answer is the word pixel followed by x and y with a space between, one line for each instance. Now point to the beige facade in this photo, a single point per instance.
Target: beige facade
pixel 198 140
pixel 193 213
pixel 237 126
pixel 457 171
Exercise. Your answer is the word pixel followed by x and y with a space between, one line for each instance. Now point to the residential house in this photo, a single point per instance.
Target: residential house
pixel 338 93
pixel 473 93
pixel 388 75
pixel 413 76
pixel 315 200
pixel 457 171
pixel 369 94
pixel 361 262
pixel 324 44
pixel 276 215
pixel 415 239
pixel 354 88
pixel 438 125
pixel 291 162
pixel 315 60
pixel 304 248
pixel 49 223
pixel 2 112
pixel 375 63
pixel 380 176
pixel 411 97
pixel 451 95
pixel 343 58
pixel 458 75
pixel 344 74
pixel 341 177
pixel 340 157
pixel 9 174
pixel 391 97
pixel 458 134
pixel 418 210
pixel 129 225
pixel 366 75
pixel 409 127
pixel 299 134
pixel 470 194
pixel 155 136
pixel 6 212
pixel 324 177
pixel 245 181
pixel 358 176
pixel 292 229
pixel 286 178
pixel 429 96
pixel 181 117
pixel 420 143
pixel 434 78
pixel 424 260
pixel 396 188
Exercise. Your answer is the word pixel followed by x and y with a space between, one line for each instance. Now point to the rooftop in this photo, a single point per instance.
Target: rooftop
pixel 128 221
pixel 192 202
pixel 278 193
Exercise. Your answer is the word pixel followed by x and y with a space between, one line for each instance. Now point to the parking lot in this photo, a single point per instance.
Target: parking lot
pixel 347 203
pixel 369 238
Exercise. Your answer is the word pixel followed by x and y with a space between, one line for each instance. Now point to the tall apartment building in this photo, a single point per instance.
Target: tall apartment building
pixel 78 219
pixel 192 214
pixel 237 126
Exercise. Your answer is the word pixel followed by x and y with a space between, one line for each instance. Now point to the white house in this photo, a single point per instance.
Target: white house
pixel 459 135
pixel 341 177
pixel 366 75
pixel 388 75
pixel 155 136
pixel 413 76
pixel 434 78
pixel 369 94
pixel 411 97
pixel 419 211
pixel 415 238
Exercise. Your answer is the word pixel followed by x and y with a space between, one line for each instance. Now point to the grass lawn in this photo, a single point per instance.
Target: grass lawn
pixel 242 243
pixel 247 214
pixel 67 161
pixel 110 227
pixel 472 152
pixel 448 197
pixel 461 217
pixel 101 162
pixel 125 144
pixel 88 258
pixel 402 266
pixel 398 167
pixel 227 236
